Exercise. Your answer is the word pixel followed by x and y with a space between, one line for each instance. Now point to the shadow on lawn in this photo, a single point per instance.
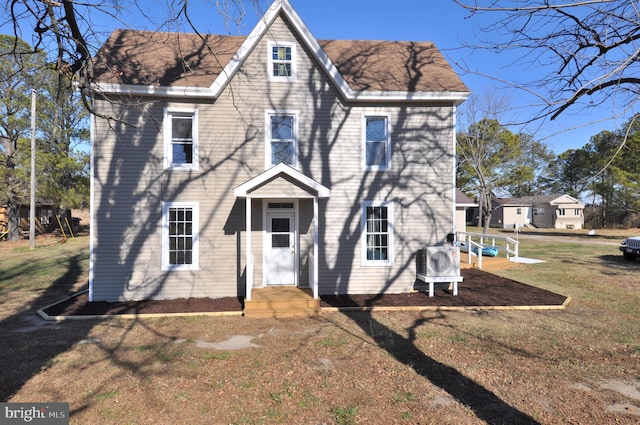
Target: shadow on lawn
pixel 29 344
pixel 485 404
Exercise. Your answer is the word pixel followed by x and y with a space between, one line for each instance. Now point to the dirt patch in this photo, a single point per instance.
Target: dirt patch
pixel 479 289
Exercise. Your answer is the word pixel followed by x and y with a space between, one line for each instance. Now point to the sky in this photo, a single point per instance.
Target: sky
pixel 442 21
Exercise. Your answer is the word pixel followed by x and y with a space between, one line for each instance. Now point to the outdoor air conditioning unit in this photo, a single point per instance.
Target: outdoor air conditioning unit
pixel 441 261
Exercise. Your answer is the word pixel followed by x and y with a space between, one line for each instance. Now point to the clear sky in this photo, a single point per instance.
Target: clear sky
pixel 440 21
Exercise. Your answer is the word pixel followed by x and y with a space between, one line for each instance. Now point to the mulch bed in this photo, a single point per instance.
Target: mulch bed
pixel 479 289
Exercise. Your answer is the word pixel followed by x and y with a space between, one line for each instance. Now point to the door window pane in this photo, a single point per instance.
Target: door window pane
pixel 280 241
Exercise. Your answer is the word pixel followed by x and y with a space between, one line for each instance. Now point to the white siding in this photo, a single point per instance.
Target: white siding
pixel 130 185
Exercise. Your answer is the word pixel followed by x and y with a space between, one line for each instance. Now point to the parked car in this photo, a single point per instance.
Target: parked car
pixel 630 248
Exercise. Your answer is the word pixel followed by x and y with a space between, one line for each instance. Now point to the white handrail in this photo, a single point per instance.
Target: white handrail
pixel 510 245
pixel 470 245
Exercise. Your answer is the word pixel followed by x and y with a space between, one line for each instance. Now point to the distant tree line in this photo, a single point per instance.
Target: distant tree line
pixel 604 173
pixel 62 133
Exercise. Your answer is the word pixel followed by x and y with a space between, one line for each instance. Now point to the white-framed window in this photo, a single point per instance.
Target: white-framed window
pixel 281 145
pixel 376 144
pixel 282 61
pixel 519 211
pixel 180 235
pixel 576 212
pixel 181 138
pixel 377 233
pixel 562 212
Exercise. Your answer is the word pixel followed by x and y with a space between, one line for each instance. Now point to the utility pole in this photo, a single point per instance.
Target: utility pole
pixel 32 208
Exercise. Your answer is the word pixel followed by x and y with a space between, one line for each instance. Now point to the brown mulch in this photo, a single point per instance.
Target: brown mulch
pixel 479 289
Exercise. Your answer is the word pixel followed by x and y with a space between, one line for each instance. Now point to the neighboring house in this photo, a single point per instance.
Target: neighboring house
pixel 463 202
pixel 46 221
pixel 233 163
pixel 549 211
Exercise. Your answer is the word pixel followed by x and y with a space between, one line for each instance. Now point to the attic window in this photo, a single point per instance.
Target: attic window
pixel 281 61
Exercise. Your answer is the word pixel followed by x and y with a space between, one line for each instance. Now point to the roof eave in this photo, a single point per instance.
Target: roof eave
pixel 444 96
pixel 153 91
pixel 208 92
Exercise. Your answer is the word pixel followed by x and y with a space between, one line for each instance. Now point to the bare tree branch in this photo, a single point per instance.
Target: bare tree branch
pixel 587 50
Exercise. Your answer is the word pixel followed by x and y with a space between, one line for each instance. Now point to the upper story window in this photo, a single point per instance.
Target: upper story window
pixel 181 139
pixel 282 61
pixel 180 235
pixel 377 233
pixel 576 212
pixel 519 211
pixel 282 138
pixel 377 142
pixel 562 211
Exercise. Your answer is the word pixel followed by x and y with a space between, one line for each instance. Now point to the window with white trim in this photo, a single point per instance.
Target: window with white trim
pixel 562 212
pixel 282 138
pixel 282 61
pixel 377 142
pixel 180 235
pixel 576 212
pixel 377 233
pixel 181 139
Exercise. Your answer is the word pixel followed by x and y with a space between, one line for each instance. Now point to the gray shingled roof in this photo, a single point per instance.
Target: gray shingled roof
pixel 181 59
pixel 527 200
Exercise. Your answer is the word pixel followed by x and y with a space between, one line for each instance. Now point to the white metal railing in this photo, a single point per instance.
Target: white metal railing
pixel 482 240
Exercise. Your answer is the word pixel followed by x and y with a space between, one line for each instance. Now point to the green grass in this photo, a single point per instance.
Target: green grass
pixel 50 262
pixel 331 342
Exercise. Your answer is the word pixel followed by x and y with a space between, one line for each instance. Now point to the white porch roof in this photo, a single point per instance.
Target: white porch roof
pixel 250 189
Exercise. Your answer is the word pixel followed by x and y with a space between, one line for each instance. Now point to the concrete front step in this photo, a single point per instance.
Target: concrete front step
pixel 281 301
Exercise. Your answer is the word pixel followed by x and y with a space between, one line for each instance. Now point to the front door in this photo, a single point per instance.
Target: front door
pixel 280 249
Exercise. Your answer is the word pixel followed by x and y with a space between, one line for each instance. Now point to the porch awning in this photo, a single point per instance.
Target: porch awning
pixel 281 181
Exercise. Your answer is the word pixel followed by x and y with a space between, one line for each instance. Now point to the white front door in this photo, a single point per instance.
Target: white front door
pixel 280 249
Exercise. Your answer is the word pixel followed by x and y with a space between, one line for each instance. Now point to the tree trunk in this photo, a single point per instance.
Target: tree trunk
pixel 13 220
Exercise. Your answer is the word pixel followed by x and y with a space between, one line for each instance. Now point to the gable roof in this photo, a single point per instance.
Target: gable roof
pixel 538 200
pixel 177 64
pixel 284 170
pixel 463 200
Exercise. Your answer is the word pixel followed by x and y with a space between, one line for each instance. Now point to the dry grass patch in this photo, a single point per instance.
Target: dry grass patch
pixel 574 366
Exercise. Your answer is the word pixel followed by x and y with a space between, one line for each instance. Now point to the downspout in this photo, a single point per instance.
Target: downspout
pixel 454 163
pixel 92 204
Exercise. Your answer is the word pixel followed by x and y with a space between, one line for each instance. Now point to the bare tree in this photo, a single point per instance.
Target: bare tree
pixel 486 150
pixel 588 50
pixel 66 31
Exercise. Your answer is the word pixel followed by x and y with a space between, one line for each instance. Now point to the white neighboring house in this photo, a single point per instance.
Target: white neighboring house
pixel 545 211
pixel 463 202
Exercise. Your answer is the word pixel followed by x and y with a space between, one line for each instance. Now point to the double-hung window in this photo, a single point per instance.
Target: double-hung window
pixel 180 235
pixel 282 138
pixel 377 233
pixel 377 142
pixel 181 139
pixel 282 63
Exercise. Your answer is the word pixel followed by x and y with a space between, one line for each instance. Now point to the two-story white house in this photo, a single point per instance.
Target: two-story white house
pixel 222 164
